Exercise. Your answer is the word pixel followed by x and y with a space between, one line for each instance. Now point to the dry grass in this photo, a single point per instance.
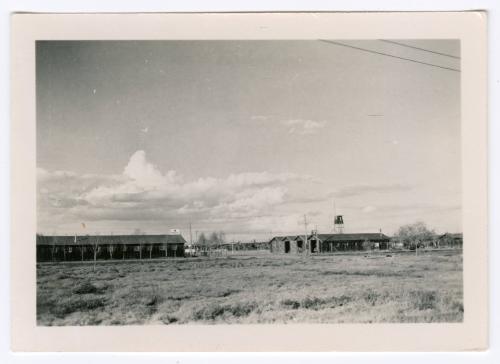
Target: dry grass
pixel 253 289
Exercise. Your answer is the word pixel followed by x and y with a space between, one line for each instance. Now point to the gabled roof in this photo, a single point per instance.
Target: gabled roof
pixel 353 237
pixel 109 239
pixel 283 238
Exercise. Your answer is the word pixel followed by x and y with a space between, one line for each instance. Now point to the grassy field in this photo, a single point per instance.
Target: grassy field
pixel 254 289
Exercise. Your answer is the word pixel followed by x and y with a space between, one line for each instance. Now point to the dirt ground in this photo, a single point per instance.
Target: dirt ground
pixel 254 288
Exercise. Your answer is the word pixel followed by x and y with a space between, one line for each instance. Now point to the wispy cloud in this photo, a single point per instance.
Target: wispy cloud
pixel 300 126
pixel 259 117
pixel 357 190
pixel 294 126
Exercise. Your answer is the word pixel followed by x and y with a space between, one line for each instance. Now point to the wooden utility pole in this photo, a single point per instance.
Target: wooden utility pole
pixel 318 246
pixel 334 216
pixel 166 247
pixel 96 246
pixel 190 235
pixel 306 248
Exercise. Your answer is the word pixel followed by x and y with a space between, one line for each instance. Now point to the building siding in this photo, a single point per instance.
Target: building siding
pixel 70 248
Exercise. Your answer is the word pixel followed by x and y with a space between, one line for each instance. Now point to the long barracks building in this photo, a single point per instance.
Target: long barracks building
pixel 325 243
pixel 73 248
pixel 329 243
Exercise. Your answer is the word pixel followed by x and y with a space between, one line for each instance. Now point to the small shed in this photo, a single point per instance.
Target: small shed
pixel 290 244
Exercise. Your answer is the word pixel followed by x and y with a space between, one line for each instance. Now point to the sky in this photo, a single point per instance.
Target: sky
pixel 247 137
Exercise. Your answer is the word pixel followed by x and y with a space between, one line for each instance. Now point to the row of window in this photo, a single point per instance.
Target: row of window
pixel 69 249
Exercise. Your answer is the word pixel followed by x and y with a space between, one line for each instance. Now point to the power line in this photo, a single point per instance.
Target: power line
pixel 388 55
pixel 420 49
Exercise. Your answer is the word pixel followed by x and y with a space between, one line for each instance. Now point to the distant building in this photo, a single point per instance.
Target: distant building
pixel 455 240
pixel 287 244
pixel 250 245
pixel 74 248
pixel 325 243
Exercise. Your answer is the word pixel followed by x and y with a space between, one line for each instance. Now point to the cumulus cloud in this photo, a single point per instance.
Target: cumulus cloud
pixel 357 190
pixel 142 193
pixel 145 173
pixel 300 126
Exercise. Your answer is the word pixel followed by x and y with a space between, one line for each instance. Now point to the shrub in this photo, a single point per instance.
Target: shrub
pixel 78 304
pixel 423 300
pixel 312 303
pixel 457 306
pixel 167 319
pixel 339 301
pixel 371 297
pixel 227 292
pixel 85 288
pixel 288 303
pixel 62 276
pixel 179 298
pixel 209 312
pixel 153 300
pixel 241 309
pixel 214 310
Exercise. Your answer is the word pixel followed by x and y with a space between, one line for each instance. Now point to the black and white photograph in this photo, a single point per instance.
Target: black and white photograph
pixel 248 182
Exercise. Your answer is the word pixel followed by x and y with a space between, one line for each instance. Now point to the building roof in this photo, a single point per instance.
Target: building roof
pixel 353 237
pixel 452 235
pixel 338 237
pixel 109 239
pixel 283 238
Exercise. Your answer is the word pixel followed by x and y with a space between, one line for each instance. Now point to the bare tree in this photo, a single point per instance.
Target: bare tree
pixel 165 246
pixel 367 245
pixel 203 241
pixel 53 247
pixel 111 248
pixel 414 235
pixel 221 237
pixel 138 231
pixel 95 247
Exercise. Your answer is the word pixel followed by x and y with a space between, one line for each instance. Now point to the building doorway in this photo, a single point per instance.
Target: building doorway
pixel 287 246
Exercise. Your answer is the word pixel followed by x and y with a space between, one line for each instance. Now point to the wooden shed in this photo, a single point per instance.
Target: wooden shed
pixel 291 244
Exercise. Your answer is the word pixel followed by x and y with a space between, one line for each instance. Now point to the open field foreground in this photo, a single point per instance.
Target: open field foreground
pixel 262 288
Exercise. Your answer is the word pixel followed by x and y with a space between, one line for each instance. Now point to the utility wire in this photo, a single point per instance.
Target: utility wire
pixel 420 49
pixel 387 55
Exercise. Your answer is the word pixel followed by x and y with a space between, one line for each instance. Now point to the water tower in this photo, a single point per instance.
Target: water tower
pixel 338 224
